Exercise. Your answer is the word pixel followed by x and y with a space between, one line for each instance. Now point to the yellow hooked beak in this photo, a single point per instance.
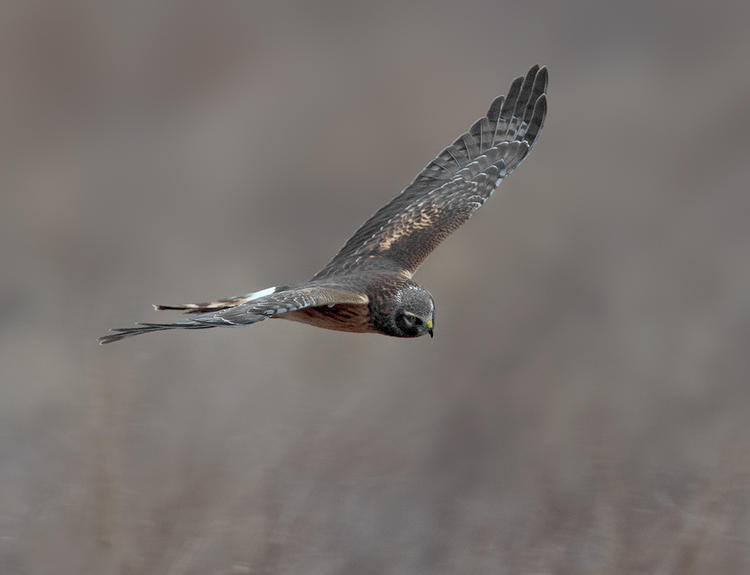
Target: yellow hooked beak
pixel 429 326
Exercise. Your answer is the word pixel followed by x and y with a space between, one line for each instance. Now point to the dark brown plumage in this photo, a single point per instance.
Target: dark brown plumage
pixel 368 286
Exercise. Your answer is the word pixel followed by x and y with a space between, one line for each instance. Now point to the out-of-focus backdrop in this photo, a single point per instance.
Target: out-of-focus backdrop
pixel 585 404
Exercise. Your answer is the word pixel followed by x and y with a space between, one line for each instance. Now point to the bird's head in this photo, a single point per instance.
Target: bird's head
pixel 411 313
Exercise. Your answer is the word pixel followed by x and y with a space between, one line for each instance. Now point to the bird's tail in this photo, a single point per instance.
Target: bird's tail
pixel 212 316
pixel 205 307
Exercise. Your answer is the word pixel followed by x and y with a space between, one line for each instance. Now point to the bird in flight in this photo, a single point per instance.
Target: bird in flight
pixel 368 287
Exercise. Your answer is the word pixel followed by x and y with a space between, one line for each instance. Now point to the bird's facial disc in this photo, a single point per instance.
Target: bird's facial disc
pixel 418 325
pixel 416 314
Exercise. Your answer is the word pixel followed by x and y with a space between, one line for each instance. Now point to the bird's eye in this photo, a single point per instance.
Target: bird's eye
pixel 418 321
pixel 409 319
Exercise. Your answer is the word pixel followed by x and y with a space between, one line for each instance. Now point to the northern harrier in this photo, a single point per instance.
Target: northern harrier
pixel 368 286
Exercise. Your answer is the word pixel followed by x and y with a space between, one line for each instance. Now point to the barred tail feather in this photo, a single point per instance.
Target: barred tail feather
pixel 219 304
pixel 202 307
pixel 219 313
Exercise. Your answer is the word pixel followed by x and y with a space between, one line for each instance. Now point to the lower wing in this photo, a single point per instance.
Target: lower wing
pixel 246 310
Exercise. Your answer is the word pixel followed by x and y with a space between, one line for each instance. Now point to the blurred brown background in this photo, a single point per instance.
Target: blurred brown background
pixel 584 405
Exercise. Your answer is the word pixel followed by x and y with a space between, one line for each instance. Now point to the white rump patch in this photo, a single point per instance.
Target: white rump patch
pixel 260 294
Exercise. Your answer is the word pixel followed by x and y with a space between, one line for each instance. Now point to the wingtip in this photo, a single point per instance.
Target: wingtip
pixel 536 121
pixel 104 339
pixel 541 102
pixel 543 74
pixel 540 75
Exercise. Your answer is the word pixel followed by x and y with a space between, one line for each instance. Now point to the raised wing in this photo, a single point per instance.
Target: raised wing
pixel 252 311
pixel 454 185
